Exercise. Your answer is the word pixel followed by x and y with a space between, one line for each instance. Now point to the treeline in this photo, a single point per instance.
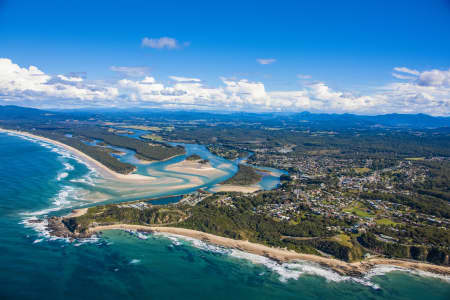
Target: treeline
pixel 437 184
pixel 245 175
pixel 382 145
pixel 193 157
pixel 146 151
pixel 433 255
pixel 423 203
pixel 422 235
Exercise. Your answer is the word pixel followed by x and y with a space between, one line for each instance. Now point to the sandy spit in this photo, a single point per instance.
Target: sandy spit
pixel 99 167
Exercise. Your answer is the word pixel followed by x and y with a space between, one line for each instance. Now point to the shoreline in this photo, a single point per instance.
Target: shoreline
pixel 283 255
pixel 99 167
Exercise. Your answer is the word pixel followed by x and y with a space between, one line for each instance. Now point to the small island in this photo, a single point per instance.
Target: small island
pixel 246 175
pixel 197 158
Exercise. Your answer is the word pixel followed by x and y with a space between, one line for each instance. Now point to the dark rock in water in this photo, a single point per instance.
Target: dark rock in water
pixel 59 229
pixel 35 221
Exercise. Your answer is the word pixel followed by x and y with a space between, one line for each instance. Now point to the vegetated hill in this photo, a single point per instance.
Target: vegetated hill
pixel 313 120
pixel 388 120
pixel 12 112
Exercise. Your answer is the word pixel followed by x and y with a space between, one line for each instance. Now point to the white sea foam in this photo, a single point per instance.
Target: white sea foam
pixel 135 261
pixel 44 234
pixel 175 238
pixel 295 269
pixel 57 149
pixel 68 166
pixel 380 270
pixel 62 176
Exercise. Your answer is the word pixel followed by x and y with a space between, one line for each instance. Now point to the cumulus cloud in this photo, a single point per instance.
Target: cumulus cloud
pixel 131 71
pixel 266 61
pixel 33 84
pixel 163 42
pixel 422 92
pixel 435 78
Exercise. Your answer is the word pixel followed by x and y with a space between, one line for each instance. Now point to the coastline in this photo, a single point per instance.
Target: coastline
pixel 278 254
pixel 99 167
pixel 283 255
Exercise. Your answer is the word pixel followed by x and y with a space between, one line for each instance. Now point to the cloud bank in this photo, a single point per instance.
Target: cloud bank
pixel 414 92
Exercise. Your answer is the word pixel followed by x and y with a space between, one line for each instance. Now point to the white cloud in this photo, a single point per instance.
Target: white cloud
pixel 436 78
pixel 427 92
pixel 406 70
pixel 131 71
pixel 184 79
pixel 266 61
pixel 403 77
pixel 163 42
pixel 70 78
pixel 33 84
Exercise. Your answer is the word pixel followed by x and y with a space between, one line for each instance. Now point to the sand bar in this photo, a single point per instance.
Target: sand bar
pixel 99 167
pixel 235 188
pixel 196 168
pixel 284 255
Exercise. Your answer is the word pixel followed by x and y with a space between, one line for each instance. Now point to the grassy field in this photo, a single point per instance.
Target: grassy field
pixel 343 239
pixel 359 211
pixel 361 170
pixel 385 221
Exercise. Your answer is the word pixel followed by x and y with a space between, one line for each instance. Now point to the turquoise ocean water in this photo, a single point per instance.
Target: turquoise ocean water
pixel 37 179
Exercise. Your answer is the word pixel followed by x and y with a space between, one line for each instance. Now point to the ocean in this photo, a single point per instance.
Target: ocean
pixel 39 179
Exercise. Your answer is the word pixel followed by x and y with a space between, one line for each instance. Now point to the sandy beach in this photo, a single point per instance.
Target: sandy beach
pixel 99 167
pixel 144 161
pixel 235 188
pixel 196 168
pixel 77 213
pixel 284 255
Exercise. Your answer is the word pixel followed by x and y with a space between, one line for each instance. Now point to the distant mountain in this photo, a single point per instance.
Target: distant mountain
pixel 12 112
pixel 414 121
pixel 388 120
pixel 306 119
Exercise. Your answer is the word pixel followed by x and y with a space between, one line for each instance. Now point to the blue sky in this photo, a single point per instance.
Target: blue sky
pixel 328 53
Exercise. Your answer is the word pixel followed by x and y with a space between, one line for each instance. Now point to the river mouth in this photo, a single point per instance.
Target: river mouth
pixel 82 186
pixel 170 181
